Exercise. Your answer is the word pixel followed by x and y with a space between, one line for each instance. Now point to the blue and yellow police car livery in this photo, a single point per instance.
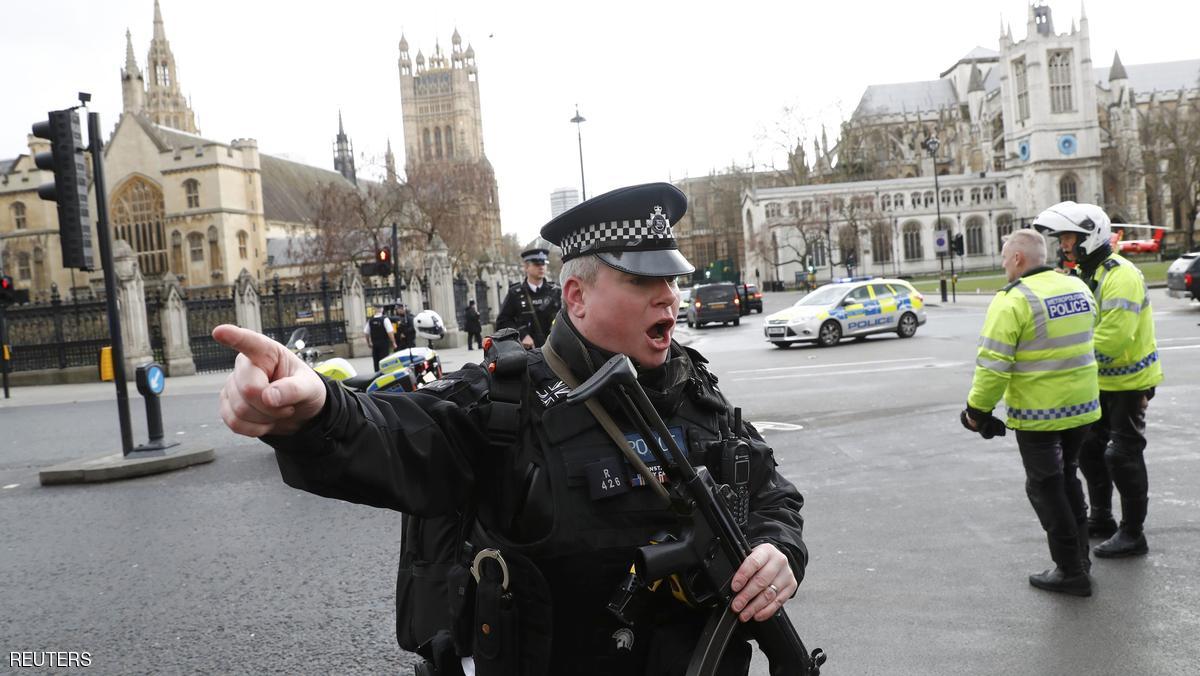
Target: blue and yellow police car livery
pixel 854 306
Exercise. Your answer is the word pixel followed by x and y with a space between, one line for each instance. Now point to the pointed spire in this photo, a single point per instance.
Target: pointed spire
pixel 131 66
pixel 1073 31
pixel 403 42
pixel 1117 71
pixel 341 130
pixel 976 84
pixel 159 33
pixel 1082 12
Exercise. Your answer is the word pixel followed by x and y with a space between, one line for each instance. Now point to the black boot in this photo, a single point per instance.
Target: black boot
pixel 1057 580
pixel 1100 524
pixel 1129 539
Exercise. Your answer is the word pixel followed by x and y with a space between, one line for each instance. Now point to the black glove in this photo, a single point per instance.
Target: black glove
pixel 986 424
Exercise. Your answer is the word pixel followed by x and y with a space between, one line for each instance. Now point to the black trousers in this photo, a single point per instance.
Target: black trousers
pixel 379 352
pixel 1113 453
pixel 1052 484
pixel 477 336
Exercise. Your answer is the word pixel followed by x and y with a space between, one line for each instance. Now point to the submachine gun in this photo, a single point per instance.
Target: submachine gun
pixel 710 545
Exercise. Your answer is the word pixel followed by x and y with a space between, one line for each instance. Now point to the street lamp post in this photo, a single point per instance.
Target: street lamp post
pixel 579 120
pixel 931 144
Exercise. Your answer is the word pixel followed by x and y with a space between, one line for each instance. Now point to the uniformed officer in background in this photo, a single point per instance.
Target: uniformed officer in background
pixel 1129 371
pixel 499 443
pixel 531 304
pixel 381 336
pixel 1035 351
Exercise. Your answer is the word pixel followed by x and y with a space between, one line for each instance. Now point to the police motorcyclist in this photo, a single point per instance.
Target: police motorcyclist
pixel 531 304
pixel 567 536
pixel 1129 370
pixel 1035 350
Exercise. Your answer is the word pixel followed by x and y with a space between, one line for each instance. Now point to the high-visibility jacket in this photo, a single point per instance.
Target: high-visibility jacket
pixel 1125 346
pixel 1036 352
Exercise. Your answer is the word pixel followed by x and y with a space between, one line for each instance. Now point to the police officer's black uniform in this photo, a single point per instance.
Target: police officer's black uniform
pixel 381 340
pixel 498 441
pixel 530 311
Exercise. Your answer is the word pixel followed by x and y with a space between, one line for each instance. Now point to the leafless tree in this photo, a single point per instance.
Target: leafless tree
pixel 1171 139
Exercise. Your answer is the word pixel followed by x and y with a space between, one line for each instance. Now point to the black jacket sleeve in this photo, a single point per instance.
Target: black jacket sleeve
pixel 509 316
pixel 417 452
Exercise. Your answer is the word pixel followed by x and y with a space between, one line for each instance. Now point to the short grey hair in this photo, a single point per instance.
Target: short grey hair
pixel 1030 243
pixel 583 268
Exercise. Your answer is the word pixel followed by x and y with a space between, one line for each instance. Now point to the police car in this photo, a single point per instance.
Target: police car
pixel 853 306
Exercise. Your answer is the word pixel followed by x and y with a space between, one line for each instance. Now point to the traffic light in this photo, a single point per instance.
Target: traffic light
pixel 7 294
pixel 383 262
pixel 956 244
pixel 70 186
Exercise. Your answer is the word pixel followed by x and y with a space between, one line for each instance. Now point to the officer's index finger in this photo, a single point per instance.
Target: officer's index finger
pixel 259 349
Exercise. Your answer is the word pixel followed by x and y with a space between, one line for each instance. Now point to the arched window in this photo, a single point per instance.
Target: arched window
pixel 773 210
pixel 806 208
pixel 177 252
pixel 1004 228
pixel 427 144
pixel 898 200
pixel 196 247
pixel 916 200
pixel 885 203
pixel 137 218
pixel 449 143
pixel 945 198
pixel 18 215
pixel 163 75
pixel 987 194
pixel 928 198
pixel 974 236
pixel 793 209
pixel 881 242
pixel 1060 82
pixel 243 239
pixel 39 268
pixel 912 241
pixel 1002 191
pixel 1067 188
pixel 214 249
pixel 958 195
pixel 974 195
pixel 437 142
pixel 816 253
pixel 191 188
pixel 24 267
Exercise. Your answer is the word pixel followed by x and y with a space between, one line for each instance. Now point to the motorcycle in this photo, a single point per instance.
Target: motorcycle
pixel 401 371
pixel 297 344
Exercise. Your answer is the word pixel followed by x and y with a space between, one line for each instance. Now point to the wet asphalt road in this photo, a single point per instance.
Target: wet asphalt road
pixel 920 534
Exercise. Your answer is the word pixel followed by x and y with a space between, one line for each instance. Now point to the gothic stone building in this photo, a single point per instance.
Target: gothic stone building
pixel 198 209
pixel 1018 129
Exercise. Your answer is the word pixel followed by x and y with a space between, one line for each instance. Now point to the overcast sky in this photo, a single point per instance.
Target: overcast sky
pixel 669 89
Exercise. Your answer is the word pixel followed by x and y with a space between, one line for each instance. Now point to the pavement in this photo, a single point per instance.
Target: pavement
pixel 920 534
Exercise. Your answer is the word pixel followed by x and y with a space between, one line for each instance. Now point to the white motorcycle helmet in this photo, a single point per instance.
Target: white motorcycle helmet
pixel 429 326
pixel 1088 220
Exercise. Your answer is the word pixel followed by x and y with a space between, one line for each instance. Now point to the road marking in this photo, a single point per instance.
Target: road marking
pixel 764 426
pixel 852 372
pixel 11 486
pixel 1179 347
pixel 823 366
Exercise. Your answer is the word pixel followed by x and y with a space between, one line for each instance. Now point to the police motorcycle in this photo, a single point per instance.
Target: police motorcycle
pixel 297 343
pixel 401 371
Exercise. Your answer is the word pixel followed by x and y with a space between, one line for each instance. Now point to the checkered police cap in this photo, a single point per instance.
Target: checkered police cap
pixel 630 229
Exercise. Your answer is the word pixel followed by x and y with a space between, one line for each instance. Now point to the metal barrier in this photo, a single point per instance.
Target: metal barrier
pixel 206 309
pixel 56 335
pixel 319 310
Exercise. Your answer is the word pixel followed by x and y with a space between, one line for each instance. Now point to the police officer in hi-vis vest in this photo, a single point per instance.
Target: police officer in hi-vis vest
pixel 531 304
pixel 556 506
pixel 1129 371
pixel 1035 351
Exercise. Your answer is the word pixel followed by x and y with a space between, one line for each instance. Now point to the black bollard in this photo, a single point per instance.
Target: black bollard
pixel 151 380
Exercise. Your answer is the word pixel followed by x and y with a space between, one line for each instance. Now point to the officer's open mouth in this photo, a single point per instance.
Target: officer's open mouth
pixel 660 330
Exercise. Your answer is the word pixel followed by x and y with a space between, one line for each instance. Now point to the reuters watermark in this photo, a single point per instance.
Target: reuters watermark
pixel 49 659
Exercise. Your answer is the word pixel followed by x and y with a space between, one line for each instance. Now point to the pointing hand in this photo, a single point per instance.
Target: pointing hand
pixel 271 391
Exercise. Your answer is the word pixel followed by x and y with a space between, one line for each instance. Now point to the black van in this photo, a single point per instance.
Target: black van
pixel 714 303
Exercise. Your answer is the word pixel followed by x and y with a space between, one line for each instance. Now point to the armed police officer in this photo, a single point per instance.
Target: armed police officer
pixel 553 511
pixel 1129 372
pixel 531 304
pixel 1035 351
